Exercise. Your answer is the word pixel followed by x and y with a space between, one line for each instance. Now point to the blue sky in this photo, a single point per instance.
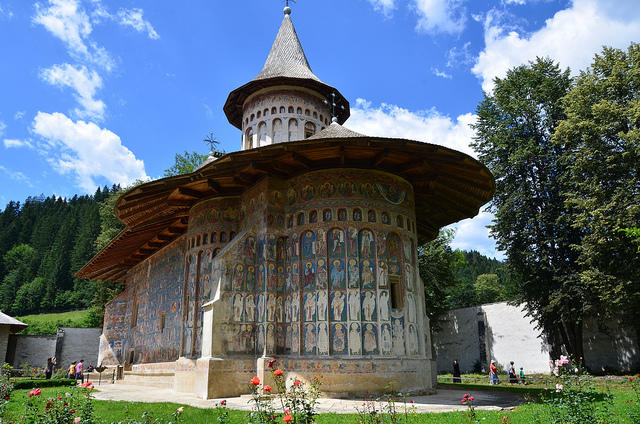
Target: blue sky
pixel 96 92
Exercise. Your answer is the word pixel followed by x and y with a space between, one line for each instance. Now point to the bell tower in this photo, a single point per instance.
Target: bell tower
pixel 286 101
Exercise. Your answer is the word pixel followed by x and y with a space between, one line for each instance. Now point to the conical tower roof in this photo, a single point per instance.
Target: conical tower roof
pixel 286 65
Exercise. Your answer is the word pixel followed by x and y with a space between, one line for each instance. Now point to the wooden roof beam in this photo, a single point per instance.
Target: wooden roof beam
pixel 179 202
pixel 214 186
pixel 185 191
pixel 379 158
pixel 304 161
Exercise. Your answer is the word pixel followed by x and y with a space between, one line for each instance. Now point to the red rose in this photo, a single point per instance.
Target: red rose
pixel 297 383
pixel 278 373
pixel 224 402
pixel 267 389
pixel 255 381
pixel 630 379
pixel 271 362
pixel 287 418
pixel 471 398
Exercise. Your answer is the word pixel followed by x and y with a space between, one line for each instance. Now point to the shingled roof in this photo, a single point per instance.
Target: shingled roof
pixel 14 325
pixel 286 65
pixel 335 130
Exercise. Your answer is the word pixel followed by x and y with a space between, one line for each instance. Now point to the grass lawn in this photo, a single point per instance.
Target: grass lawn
pixel 47 324
pixel 113 412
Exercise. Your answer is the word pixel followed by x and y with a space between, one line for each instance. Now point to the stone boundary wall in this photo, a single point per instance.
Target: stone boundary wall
pixel 502 332
pixel 70 344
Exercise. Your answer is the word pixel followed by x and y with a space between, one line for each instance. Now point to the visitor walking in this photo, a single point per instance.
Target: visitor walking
pixel 522 377
pixel 493 373
pixel 513 378
pixel 48 369
pixel 79 370
pixel 72 371
pixel 456 372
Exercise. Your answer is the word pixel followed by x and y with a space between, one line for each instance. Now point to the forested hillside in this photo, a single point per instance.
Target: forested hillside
pixel 43 243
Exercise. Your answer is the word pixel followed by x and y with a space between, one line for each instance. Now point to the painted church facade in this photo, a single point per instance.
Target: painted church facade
pixel 301 247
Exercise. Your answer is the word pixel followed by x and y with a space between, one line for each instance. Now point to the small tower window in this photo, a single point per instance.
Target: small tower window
pixel 274 110
pixel 299 111
pixel 357 215
pixel 223 237
pixel 205 238
pixel 321 118
pixel 162 319
pixel 214 237
pixel 307 112
pixel 266 112
pixel 290 109
pixel 232 235
pixel 249 138
pixel 301 219
pixel 259 114
pixel 282 109
pixel 315 115
pixel 253 116
pixel 397 298
pixel 327 215
pixel 313 217
pixel 309 129
pixel 400 221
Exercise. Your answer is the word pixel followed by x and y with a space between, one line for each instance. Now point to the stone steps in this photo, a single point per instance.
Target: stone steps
pixel 157 379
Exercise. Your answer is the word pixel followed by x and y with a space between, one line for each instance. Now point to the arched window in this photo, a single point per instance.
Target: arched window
pixel 321 118
pixel 259 114
pixel 253 116
pixel 232 235
pixel 249 139
pixel 293 129
pixel 276 130
pixel 301 219
pixel 342 214
pixel 313 217
pixel 290 109
pixel 282 109
pixel 400 221
pixel 315 115
pixel 266 112
pixel 357 215
pixel 214 237
pixel 262 133
pixel 307 112
pixel 246 121
pixel 371 216
pixel 299 111
pixel 274 110
pixel 327 215
pixel 309 129
pixel 223 237
pixel 205 238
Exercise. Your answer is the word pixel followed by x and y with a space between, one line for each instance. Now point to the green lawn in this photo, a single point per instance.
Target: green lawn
pixel 47 324
pixel 109 412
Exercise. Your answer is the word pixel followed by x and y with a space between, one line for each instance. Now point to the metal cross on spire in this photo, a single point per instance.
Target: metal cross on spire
pixel 334 107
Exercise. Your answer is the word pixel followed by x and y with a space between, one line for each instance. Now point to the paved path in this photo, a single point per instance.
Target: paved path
pixel 444 400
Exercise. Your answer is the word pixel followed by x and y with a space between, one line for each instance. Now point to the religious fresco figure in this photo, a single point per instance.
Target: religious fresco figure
pixel 251 278
pixel 406 247
pixel 279 309
pixel 288 280
pixel 261 307
pixel 352 241
pixel 295 307
pixel 271 247
pixel 287 309
pixel 385 218
pixel 249 250
pixel 281 276
pixel 238 307
pixel 250 308
pixel 323 338
pixel 322 304
pixel 336 243
pixel 327 215
pixel 411 309
pixel 261 278
pixel 260 339
pixel 270 342
pixel 383 305
pixel 354 305
pixel 337 274
pixel 309 277
pixel 321 274
pixel 369 306
pixel 295 277
pixel 321 242
pixel 308 240
pixel 385 339
pixel 309 338
pixel 272 281
pixel 397 336
pixel 370 339
pixel 367 244
pixel 339 339
pixel 238 278
pixel 382 274
pixel 271 307
pixel 354 274
pixel 409 277
pixel 357 215
pixel 326 190
pixel 288 336
pixel 295 337
pixel 412 342
pixel 309 306
pixel 337 306
pixel 342 214
pixel 371 215
pixel 355 339
pixel 368 275
pixel 313 217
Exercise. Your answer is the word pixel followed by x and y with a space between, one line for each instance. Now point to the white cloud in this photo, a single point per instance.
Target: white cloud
pixel 446 16
pixel 5 12
pixel 9 143
pixel 460 56
pixel 68 21
pixel 16 176
pixel 19 115
pixel 571 37
pixel 473 234
pixel 428 126
pixel 3 127
pixel 86 150
pixel 134 19
pixel 384 6
pixel 84 82
pixel 442 74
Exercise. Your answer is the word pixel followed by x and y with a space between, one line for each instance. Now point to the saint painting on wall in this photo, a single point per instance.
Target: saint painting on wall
pixel 369 339
pixel 308 240
pixel 339 339
pixel 338 303
pixel 337 274
pixel 354 274
pixel 321 274
pixel 335 243
pixel 309 276
pixel 368 273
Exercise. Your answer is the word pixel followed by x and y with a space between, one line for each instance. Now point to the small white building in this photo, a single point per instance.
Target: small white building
pixel 8 325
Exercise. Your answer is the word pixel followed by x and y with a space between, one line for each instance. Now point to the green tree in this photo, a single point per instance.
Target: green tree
pixel 633 233
pixel 601 143
pixel 185 163
pixel 514 139
pixel 17 262
pixel 436 264
pixel 488 289
pixel 110 225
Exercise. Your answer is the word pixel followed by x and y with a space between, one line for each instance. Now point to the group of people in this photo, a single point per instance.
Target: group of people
pixel 493 373
pixel 75 371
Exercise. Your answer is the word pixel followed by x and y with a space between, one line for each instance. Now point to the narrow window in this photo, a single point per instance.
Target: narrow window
pixel 162 319
pixel 266 112
pixel 249 139
pixel 282 109
pixel 223 237
pixel 397 299
pixel 290 109
pixel 274 110
pixel 134 312
pixel 205 239
pixel 301 219
pixel 299 111
pixel 357 215
pixel 232 235
pixel 327 215
pixel 315 115
pixel 259 115
pixel 309 129
pixel 214 237
pixel 253 116
pixel 307 112
pixel 400 221
pixel 313 217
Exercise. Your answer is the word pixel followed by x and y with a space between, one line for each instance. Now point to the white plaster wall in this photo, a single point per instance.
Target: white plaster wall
pixel 4 339
pixel 34 350
pixel 611 347
pixel 79 343
pixel 457 338
pixel 512 337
